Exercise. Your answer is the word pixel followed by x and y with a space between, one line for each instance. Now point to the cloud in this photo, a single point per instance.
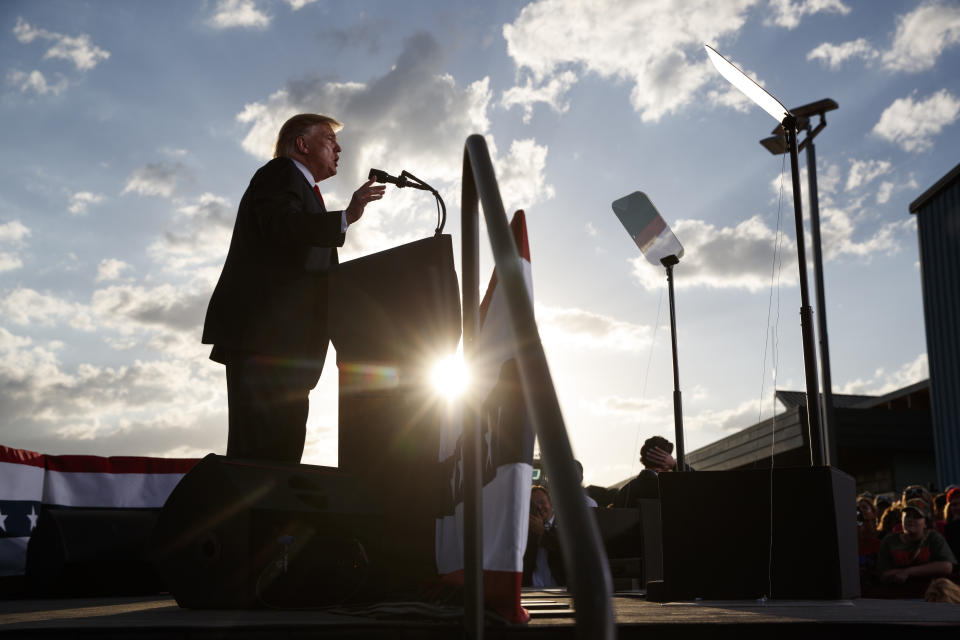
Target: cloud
pixel 788 13
pixel 76 49
pixel 838 231
pixel 296 5
pixel 834 55
pixel 922 35
pixel 552 93
pixel 654 46
pixel 521 175
pixel 27 307
pixel 589 330
pixel 883 382
pixel 36 82
pixel 110 269
pixel 238 13
pixel 156 179
pixel 149 407
pixel 202 236
pixel 414 117
pixel 862 172
pixel 729 257
pixel 129 307
pixel 884 191
pixel 12 234
pixel 912 125
pixel 81 200
pixel 9 261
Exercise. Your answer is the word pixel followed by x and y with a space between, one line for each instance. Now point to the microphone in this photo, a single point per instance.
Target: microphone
pixel 382 176
pixel 406 179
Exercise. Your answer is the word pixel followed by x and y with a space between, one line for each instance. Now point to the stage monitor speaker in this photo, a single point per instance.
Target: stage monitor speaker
pixel 79 551
pixel 240 534
pixel 721 541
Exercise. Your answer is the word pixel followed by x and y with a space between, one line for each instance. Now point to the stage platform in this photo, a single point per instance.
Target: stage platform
pixel 159 618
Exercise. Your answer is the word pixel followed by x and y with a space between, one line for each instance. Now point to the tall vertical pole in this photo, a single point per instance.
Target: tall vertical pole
pixel 668 262
pixel 472 478
pixel 829 423
pixel 814 426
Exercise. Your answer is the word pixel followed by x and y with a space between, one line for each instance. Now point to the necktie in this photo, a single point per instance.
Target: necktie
pixel 316 189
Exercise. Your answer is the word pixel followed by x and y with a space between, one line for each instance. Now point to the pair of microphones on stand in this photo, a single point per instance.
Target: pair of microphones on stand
pixel 407 179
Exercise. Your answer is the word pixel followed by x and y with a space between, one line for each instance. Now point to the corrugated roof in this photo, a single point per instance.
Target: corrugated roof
pixel 791 399
pixel 941 184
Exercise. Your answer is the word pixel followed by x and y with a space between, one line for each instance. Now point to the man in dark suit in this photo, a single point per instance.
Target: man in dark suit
pixel 267 318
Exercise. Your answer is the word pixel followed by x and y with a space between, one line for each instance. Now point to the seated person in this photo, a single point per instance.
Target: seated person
pixel 868 540
pixel 542 559
pixel 586 496
pixel 655 455
pixel 909 560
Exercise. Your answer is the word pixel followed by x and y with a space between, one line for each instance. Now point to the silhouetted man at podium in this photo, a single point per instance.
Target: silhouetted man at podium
pixel 267 318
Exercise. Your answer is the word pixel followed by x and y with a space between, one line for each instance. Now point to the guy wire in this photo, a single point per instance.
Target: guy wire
pixel 646 378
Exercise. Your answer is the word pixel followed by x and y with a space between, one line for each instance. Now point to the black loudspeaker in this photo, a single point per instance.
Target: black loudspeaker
pixel 721 543
pixel 241 534
pixel 78 551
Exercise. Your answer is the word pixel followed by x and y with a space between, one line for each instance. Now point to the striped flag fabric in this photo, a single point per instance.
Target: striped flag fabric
pixel 507 457
pixel 30 480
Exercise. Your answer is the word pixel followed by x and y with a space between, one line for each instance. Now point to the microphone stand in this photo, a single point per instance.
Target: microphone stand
pixel 668 263
pixel 407 179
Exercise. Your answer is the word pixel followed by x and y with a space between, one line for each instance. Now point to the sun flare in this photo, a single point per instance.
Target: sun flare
pixel 449 376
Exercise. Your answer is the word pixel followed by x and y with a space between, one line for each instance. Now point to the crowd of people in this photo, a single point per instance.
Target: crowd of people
pixel 908 545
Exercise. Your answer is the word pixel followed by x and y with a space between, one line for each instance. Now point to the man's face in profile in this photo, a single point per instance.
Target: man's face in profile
pixel 322 152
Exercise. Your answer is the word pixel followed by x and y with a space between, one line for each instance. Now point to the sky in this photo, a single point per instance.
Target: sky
pixel 129 131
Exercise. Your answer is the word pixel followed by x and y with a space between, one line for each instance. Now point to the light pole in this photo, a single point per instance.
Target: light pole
pixel 777 145
pixel 788 122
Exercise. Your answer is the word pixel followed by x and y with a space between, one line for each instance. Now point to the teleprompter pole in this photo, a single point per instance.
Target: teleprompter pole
pixel 814 424
pixel 668 263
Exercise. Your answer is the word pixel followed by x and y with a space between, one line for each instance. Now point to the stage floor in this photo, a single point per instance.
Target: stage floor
pixel 159 617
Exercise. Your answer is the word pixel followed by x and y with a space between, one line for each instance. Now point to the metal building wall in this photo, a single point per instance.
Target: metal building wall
pixel 938 230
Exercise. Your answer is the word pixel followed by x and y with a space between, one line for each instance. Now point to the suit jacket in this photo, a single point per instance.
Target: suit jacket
pixel 272 294
pixel 550 540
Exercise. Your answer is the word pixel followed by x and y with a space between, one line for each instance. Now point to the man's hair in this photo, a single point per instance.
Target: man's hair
pixel 299 125
pixel 658 442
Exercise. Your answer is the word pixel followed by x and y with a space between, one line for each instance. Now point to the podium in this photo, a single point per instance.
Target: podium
pixel 393 315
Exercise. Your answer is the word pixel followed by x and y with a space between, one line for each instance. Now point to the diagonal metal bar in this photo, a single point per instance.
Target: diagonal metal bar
pixel 588 573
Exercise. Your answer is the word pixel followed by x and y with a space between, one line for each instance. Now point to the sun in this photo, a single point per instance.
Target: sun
pixel 449 376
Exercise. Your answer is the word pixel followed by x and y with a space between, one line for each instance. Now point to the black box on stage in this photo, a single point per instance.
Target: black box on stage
pixel 238 534
pixel 784 533
pixel 82 551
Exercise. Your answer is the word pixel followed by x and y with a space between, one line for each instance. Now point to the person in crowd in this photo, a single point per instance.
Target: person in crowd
pixel 943 590
pixel 868 538
pixel 590 501
pixel 542 559
pixel 906 562
pixel 914 491
pixel 939 502
pixel 889 521
pixel 656 457
pixel 951 520
pixel 881 503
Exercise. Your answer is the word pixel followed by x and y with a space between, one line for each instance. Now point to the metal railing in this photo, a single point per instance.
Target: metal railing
pixel 588 573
